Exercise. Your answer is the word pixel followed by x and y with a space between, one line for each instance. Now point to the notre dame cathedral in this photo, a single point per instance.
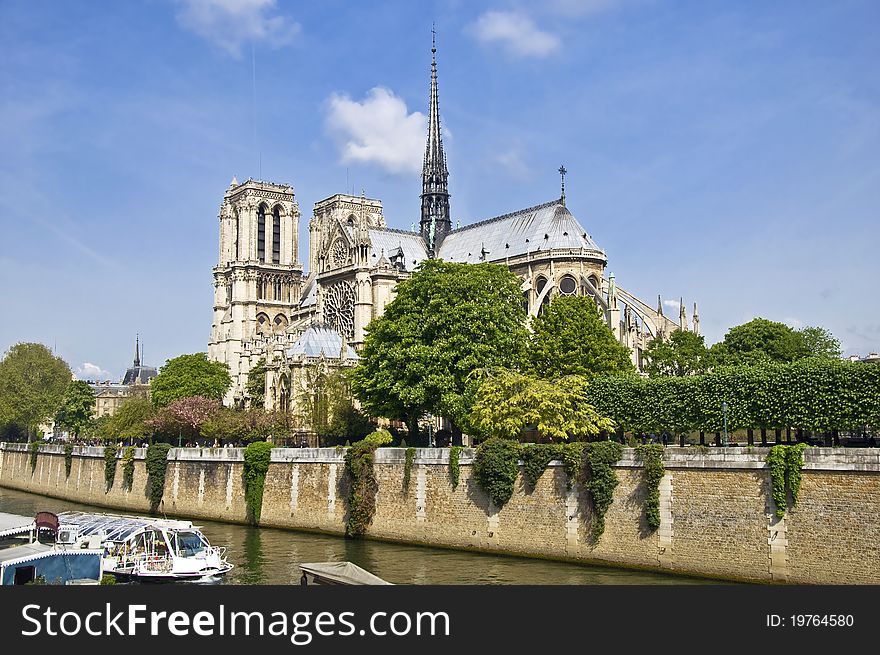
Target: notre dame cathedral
pixel 266 308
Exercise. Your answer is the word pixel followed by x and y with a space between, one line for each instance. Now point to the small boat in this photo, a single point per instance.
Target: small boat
pixel 144 548
pixel 342 573
pixel 25 559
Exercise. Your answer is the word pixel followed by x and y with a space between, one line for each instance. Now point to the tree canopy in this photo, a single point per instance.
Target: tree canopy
pixel 77 407
pixel 33 382
pixel 190 375
pixel 570 337
pixel 683 353
pixel 506 403
pixel 447 320
pixel 256 382
pixel 820 342
pixel 759 340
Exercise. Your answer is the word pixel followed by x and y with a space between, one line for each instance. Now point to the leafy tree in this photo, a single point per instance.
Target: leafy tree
pixel 820 343
pixel 131 420
pixel 327 407
pixel 446 321
pixel 256 382
pixel 684 353
pixel 254 424
pixel 33 382
pixel 759 340
pixel 507 402
pixel 77 407
pixel 570 337
pixel 187 376
pixel 185 414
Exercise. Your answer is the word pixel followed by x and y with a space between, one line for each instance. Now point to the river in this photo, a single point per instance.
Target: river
pixel 271 556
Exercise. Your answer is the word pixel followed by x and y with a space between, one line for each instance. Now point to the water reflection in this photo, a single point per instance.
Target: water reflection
pixel 271 556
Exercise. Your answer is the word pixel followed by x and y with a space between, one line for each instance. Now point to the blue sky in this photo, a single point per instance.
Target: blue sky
pixel 721 152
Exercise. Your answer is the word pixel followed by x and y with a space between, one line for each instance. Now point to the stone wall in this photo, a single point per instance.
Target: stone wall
pixel 717 513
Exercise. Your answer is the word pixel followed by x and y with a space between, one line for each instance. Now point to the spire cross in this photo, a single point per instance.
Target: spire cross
pixel 562 173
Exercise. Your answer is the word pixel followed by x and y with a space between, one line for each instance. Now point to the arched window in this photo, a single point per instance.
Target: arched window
pixel 277 290
pixel 567 285
pixel 540 283
pixel 235 225
pixel 595 282
pixel 262 324
pixel 276 239
pixel 280 322
pixel 261 233
pixel 526 301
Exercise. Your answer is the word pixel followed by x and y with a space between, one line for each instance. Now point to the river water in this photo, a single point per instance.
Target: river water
pixel 272 556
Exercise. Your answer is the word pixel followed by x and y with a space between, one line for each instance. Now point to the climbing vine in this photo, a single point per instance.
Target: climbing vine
pixel 496 466
pixel 362 487
pixel 156 463
pixel 407 467
pixel 652 455
pixel 110 465
pixel 34 448
pixel 68 459
pixel 601 479
pixel 257 456
pixel 454 469
pixel 536 458
pixel 128 468
pixel 572 461
pixel 786 464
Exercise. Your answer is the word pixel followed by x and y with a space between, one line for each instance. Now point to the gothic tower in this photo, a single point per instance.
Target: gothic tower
pixel 435 222
pixel 258 279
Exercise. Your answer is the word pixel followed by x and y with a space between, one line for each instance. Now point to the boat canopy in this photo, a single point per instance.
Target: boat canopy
pixel 25 553
pixel 13 524
pixel 342 573
pixel 117 528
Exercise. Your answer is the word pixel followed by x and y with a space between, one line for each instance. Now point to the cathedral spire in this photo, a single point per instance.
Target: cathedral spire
pixel 137 354
pixel 435 190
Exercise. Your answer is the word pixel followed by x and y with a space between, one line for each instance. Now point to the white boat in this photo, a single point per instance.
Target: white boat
pixel 338 573
pixel 144 548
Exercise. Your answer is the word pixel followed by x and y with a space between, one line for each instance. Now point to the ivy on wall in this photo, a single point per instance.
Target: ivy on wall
pixel 407 467
pixel 454 468
pixel 109 465
pixel 652 456
pixel 600 479
pixel 128 468
pixel 157 464
pixel 34 449
pixel 362 488
pixel 573 462
pixel 68 459
pixel 496 465
pixel 786 463
pixel 535 459
pixel 257 456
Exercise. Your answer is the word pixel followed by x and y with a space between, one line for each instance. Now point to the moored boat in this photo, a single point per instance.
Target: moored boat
pixel 145 548
pixel 338 573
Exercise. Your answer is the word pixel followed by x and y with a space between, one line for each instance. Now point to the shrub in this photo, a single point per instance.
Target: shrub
pixel 257 456
pixel 380 437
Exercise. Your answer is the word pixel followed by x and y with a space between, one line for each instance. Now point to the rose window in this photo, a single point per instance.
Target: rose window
pixel 339 308
pixel 339 253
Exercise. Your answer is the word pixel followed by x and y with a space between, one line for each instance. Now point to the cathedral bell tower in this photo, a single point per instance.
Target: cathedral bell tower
pixel 434 223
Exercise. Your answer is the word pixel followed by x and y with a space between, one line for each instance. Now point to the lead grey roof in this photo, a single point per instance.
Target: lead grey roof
pixel 139 375
pixel 310 297
pixel 411 243
pixel 11 524
pixel 543 227
pixel 320 340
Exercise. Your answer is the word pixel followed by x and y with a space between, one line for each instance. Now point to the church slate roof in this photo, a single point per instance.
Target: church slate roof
pixel 411 243
pixel 139 375
pixel 319 340
pixel 543 227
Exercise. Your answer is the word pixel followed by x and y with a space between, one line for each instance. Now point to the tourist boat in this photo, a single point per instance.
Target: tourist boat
pixel 341 573
pixel 30 553
pixel 146 549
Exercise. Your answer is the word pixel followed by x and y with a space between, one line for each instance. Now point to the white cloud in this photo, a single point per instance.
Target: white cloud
pixel 674 304
pixel 229 24
pixel 794 323
pixel 582 7
pixel 516 33
pixel 378 130
pixel 513 162
pixel 89 371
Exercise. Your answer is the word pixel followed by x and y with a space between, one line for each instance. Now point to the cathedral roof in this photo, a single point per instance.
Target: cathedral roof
pixel 543 227
pixel 320 340
pixel 411 244
pixel 139 375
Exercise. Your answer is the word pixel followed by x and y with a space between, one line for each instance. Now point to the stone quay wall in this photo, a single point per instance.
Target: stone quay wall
pixel 717 514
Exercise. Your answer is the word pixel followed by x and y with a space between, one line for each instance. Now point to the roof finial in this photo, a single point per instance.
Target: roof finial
pixel 562 173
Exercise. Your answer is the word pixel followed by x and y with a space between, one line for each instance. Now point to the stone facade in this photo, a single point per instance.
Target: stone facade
pixel 717 514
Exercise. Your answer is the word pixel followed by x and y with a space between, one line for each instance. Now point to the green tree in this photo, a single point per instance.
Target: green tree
pixel 820 343
pixel 187 376
pixel 130 422
pixel 507 402
pixel 256 382
pixel 77 408
pixel 570 337
pixel 446 321
pixel 33 382
pixel 759 340
pixel 684 353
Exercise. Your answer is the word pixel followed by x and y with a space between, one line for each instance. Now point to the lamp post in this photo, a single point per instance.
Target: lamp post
pixel 724 413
